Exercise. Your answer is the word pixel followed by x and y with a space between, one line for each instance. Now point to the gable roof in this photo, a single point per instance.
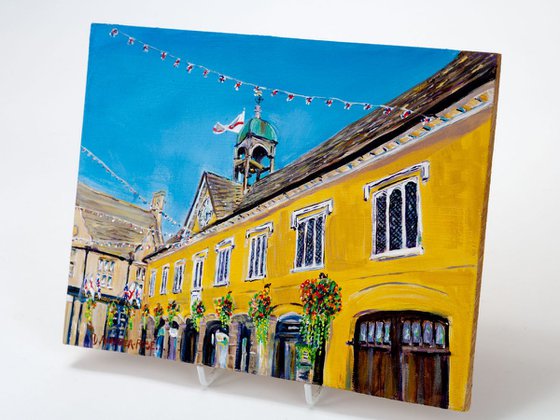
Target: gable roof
pixel 102 228
pixel 224 193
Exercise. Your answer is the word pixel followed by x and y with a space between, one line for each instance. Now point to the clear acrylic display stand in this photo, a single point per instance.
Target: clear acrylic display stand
pixel 207 376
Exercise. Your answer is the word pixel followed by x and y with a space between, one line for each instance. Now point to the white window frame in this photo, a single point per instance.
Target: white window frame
pixel 253 272
pixel 223 249
pixel 164 276
pixel 260 232
pixel 178 271
pixel 198 273
pixel 105 272
pixel 152 285
pixel 403 251
pixel 316 211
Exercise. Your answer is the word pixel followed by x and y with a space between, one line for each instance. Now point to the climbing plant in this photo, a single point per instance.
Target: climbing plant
pixel 259 310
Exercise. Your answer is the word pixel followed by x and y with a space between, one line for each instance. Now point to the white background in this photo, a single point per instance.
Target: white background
pixel 43 59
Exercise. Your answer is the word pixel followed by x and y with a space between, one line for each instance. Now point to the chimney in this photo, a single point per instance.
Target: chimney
pixel 158 201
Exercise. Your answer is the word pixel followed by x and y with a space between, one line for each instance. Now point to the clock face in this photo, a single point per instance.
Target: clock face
pixel 205 213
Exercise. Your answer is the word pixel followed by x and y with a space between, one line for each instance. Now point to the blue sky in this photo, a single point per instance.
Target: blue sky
pixel 152 123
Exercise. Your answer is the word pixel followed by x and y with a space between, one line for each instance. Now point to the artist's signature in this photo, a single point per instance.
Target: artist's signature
pixel 124 342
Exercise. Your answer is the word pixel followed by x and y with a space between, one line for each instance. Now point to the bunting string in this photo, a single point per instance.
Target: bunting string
pixel 128 223
pixel 123 182
pixel 258 89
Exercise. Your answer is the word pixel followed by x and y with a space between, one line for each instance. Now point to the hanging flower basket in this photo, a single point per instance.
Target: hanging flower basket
pixel 129 312
pixel 173 309
pixel 259 310
pixel 321 300
pixel 90 306
pixel 145 315
pixel 197 312
pixel 224 309
pixel 111 313
pixel 158 313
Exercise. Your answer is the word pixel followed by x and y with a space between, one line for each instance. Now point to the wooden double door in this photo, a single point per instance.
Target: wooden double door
pixel 402 356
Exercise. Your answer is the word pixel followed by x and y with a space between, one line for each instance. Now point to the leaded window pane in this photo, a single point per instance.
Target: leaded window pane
pixel 411 214
pixel 380 223
pixel 226 265
pixel 309 242
pixel 252 258
pixel 300 244
pixel 259 256
pixel 264 241
pixel 395 220
pixel 319 241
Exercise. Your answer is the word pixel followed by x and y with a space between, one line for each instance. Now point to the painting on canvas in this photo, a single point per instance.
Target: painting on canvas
pixel 306 210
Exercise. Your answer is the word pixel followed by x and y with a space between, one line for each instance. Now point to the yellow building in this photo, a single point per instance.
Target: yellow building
pixel 392 208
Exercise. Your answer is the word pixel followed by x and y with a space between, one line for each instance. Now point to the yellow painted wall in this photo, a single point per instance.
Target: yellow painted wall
pixel 442 280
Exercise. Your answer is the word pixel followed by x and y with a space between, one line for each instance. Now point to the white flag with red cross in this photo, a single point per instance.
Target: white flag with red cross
pixel 235 126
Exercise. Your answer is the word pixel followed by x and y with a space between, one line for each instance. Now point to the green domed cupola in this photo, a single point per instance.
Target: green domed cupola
pixel 257 128
pixel 255 149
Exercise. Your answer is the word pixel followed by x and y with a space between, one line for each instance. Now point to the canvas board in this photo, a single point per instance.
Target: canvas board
pixel 306 210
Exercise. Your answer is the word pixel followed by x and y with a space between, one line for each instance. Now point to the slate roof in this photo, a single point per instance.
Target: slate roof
pixel 468 71
pixel 103 229
pixel 224 193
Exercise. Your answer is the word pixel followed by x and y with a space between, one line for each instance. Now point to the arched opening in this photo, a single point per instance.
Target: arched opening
pixel 286 338
pixel 241 153
pixel 215 345
pixel 172 341
pixel 402 356
pixel 189 341
pixel 258 154
pixel 243 349
pixel 159 334
pixel 147 338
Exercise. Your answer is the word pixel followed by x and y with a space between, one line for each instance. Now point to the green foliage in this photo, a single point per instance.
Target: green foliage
pixel 173 309
pixel 259 310
pixel 197 312
pixel 224 309
pixel 322 301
